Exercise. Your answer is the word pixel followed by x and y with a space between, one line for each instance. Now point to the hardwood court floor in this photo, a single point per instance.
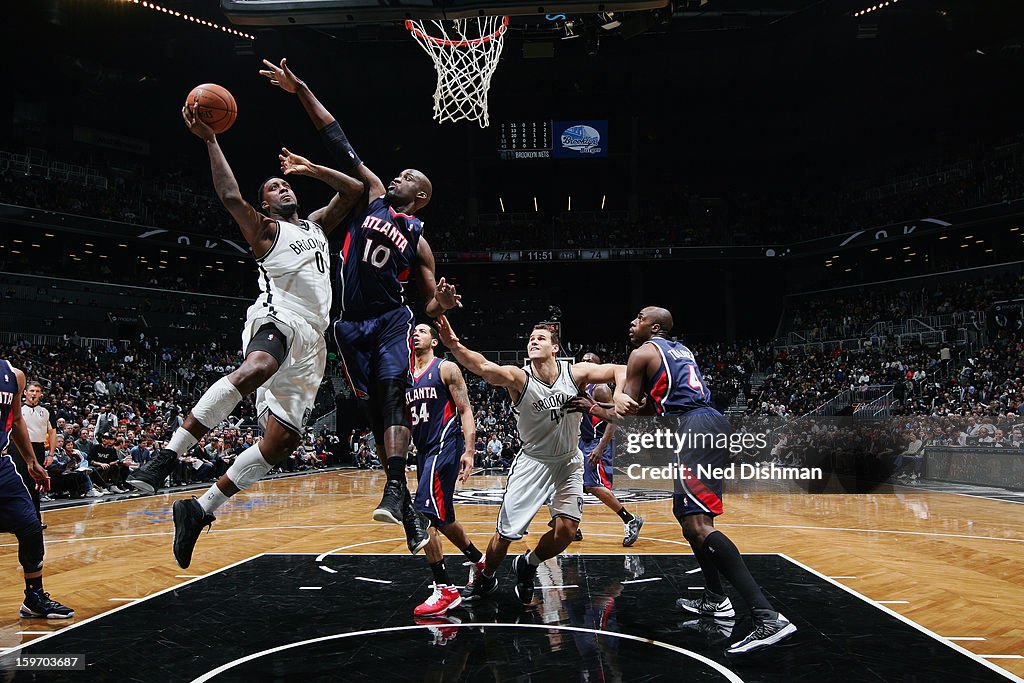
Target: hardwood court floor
pixel 950 563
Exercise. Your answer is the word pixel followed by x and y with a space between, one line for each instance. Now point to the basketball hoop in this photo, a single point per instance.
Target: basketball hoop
pixel 465 54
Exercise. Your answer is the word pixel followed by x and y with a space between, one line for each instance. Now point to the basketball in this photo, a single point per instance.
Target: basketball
pixel 216 106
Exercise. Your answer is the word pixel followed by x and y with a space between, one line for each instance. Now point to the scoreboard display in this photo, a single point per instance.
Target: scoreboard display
pixel 571 139
pixel 524 140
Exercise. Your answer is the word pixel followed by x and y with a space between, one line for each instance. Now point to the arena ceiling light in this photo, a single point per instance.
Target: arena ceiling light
pixel 875 8
pixel 195 20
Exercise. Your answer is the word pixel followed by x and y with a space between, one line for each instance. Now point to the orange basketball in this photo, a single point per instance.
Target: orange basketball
pixel 215 106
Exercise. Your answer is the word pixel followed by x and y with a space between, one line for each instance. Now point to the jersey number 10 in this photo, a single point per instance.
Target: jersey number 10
pixel 378 257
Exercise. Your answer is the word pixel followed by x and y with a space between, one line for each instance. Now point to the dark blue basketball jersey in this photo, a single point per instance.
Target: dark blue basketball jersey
pixel 8 390
pixel 677 387
pixel 435 419
pixel 592 427
pixel 376 259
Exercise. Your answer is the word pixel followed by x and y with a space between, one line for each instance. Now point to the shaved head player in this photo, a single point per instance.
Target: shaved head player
pixel 665 373
pixel 383 246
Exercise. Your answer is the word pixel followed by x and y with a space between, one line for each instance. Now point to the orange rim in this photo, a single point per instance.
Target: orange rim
pixel 457 43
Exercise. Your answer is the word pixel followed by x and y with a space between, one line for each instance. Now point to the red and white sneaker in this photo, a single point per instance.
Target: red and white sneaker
pixel 440 601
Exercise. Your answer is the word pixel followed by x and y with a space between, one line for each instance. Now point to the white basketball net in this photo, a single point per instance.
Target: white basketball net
pixel 465 54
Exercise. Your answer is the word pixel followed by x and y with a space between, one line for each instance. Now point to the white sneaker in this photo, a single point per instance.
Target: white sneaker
pixel 94 493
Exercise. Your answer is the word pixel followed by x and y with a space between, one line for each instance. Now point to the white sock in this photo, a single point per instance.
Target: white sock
pixel 212 499
pixel 181 441
pixel 532 558
pixel 217 403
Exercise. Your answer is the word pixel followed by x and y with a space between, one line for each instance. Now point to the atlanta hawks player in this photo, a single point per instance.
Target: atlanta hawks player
pixel 383 248
pixel 550 464
pixel 443 431
pixel 283 337
pixel 596 435
pixel 666 373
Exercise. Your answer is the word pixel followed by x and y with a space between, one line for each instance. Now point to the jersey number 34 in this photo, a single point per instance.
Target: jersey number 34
pixel 420 415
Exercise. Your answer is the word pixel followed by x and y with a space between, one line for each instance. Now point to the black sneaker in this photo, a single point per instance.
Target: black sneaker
pixel 707 606
pixel 767 632
pixel 416 525
pixel 475 570
pixel 632 531
pixel 390 508
pixel 154 472
pixel 38 605
pixel 482 586
pixel 525 574
pixel 189 520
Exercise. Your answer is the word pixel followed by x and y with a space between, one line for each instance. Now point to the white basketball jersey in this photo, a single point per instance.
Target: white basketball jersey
pixel 295 275
pixel 548 432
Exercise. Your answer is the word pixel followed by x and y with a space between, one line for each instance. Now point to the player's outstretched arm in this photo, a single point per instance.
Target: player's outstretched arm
pixel 330 130
pixel 19 434
pixel 348 188
pixel 629 393
pixel 508 376
pixel 440 296
pixel 592 373
pixel 258 230
pixel 452 376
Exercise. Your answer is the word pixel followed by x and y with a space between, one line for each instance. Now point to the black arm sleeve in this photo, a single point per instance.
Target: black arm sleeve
pixel 336 141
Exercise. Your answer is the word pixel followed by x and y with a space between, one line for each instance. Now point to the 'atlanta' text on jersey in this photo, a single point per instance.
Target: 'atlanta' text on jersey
pixel 377 256
pixel 8 390
pixel 434 416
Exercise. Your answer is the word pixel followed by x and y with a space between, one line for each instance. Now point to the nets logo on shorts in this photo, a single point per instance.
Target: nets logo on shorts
pixel 492 496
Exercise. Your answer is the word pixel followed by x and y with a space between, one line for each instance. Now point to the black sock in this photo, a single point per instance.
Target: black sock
pixel 472 554
pixel 35 584
pixel 440 573
pixel 727 558
pixel 625 516
pixel 396 468
pixel 712 579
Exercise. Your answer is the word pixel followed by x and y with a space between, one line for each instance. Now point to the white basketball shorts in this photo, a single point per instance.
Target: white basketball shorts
pixel 531 483
pixel 290 393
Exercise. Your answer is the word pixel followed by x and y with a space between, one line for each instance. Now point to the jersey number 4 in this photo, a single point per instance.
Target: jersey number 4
pixel 420 415
pixel 694 381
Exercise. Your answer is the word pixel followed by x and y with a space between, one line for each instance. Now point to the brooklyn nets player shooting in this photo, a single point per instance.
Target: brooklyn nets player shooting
pixel 283 336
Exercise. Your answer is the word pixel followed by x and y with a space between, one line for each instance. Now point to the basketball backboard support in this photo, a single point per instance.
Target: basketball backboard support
pixel 333 12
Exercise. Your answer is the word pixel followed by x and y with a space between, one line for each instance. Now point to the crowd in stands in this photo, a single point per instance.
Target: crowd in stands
pixel 182 203
pixel 122 402
pixel 989 382
pixel 852 314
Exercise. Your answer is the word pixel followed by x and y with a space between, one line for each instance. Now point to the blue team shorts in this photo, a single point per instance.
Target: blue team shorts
pixel 375 349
